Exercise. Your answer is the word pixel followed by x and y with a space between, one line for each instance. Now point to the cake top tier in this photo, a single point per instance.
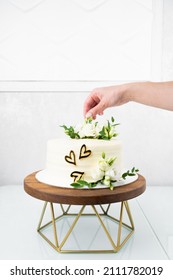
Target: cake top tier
pixel 91 129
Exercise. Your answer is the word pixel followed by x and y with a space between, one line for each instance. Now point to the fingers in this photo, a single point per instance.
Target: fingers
pixel 96 110
pixel 95 104
pixel 91 101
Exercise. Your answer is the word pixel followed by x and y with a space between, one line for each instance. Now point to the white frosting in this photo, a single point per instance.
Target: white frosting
pixel 59 170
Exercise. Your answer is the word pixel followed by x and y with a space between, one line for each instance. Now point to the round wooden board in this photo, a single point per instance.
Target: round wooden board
pixel 85 196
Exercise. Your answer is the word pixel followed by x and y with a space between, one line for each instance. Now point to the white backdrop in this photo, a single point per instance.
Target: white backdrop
pixel 28 120
pixel 79 39
pixel 31 111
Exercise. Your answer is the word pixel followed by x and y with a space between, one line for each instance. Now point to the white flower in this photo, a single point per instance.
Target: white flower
pixel 98 128
pixel 107 181
pixel 97 175
pixel 77 129
pixel 88 130
pixel 103 165
pixel 112 131
pixel 81 133
pixel 113 174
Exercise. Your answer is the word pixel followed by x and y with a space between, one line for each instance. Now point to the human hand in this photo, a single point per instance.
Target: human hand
pixel 102 98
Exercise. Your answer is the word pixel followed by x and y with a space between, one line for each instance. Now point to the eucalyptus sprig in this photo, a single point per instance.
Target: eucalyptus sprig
pixel 131 172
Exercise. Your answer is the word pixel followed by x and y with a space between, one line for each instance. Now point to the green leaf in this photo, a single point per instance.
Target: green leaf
pixel 104 133
pixel 89 120
pixel 115 124
pixel 133 169
pixel 93 185
pixel 64 126
pixel 82 182
pixel 103 155
pixel 109 125
pixel 111 161
pixel 76 185
pixel 124 175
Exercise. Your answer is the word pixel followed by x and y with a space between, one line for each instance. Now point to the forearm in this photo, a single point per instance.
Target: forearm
pixel 149 93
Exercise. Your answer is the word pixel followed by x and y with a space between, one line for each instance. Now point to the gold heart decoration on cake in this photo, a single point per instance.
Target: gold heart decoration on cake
pixel 71 158
pixel 84 152
pixel 77 175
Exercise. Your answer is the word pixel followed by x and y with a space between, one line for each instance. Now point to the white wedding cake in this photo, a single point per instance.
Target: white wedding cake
pixel 92 156
pixel 69 160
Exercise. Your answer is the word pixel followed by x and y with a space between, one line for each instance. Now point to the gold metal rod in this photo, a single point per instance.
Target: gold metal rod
pixel 88 214
pixel 105 211
pixel 72 226
pixel 104 227
pixel 59 217
pixel 83 214
pixel 75 251
pixel 63 210
pixel 88 251
pixel 117 221
pixel 50 243
pixel 42 215
pixel 120 224
pixel 68 209
pixel 129 214
pixel 54 224
pixel 116 248
pixel 108 208
pixel 48 223
pixel 125 240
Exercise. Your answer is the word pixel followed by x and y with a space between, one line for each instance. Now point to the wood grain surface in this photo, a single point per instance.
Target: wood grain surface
pixel 83 196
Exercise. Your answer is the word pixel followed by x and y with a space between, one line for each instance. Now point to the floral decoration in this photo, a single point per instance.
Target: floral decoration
pixel 106 173
pixel 92 130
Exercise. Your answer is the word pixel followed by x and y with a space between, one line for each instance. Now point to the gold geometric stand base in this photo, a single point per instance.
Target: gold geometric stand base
pixel 116 246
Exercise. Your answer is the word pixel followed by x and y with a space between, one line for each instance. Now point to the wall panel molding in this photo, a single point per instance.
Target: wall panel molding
pixel 54 86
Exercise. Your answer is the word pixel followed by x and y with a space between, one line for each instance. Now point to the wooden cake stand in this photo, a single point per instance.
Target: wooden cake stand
pixel 95 198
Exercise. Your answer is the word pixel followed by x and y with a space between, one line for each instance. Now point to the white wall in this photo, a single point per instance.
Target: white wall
pixel 28 120
pixel 167 59
pixel 31 112
pixel 76 39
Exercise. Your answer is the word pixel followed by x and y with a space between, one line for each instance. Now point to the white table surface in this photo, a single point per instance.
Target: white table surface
pixel 152 240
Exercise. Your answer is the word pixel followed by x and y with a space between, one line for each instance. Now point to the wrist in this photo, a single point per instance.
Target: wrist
pixel 127 92
pixel 131 91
